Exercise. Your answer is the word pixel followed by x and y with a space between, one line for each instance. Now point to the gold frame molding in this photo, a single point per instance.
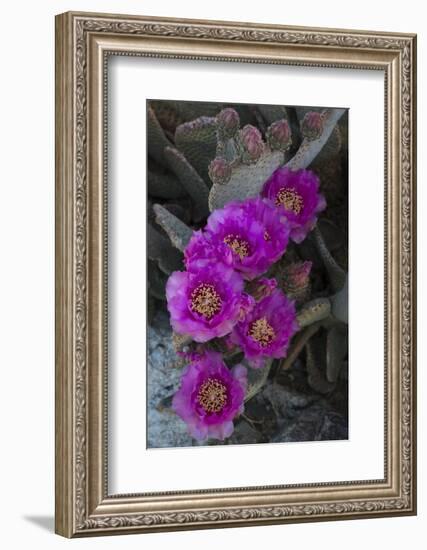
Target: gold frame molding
pixel 83 43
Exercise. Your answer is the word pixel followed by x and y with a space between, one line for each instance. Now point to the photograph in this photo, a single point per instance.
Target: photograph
pixel 235 271
pixel 247 269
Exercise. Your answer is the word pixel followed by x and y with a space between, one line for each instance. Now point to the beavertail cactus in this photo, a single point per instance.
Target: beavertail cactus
pixel 190 181
pixel 245 180
pixel 234 249
pixel 156 138
pixel 197 141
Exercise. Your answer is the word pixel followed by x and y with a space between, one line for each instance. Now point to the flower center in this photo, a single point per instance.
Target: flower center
pixel 262 332
pixel 267 236
pixel 238 245
pixel 290 199
pixel 212 395
pixel 205 300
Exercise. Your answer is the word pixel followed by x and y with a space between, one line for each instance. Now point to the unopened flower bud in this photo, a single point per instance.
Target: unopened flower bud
pixel 262 287
pixel 252 143
pixel 312 125
pixel 246 305
pixel 279 135
pixel 296 280
pixel 219 171
pixel 228 122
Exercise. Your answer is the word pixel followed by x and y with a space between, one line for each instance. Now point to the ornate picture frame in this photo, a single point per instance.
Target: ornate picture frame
pixel 84 42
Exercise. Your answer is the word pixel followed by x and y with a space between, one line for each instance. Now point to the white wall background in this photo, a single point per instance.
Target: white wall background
pixel 27 273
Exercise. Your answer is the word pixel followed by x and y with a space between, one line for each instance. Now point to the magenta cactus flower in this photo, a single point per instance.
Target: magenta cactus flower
pixel 254 230
pixel 210 396
pixel 206 301
pixel 267 329
pixel 202 247
pixel 296 193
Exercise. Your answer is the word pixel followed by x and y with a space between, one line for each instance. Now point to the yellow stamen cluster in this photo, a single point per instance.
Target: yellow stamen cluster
pixel 238 245
pixel 205 300
pixel 290 199
pixel 262 332
pixel 212 395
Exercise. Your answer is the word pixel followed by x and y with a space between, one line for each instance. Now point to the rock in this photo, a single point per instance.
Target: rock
pixel 302 417
pixel 314 424
pixel 288 411
pixel 244 434
pixel 164 428
pixel 260 412
pixel 334 426
pixel 285 401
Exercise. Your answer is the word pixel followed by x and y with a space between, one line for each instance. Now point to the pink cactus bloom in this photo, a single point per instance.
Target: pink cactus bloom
pixel 206 301
pixel 267 329
pixel 254 230
pixel 296 194
pixel 210 396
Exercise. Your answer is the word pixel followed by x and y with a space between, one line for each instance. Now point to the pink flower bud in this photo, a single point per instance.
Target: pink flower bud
pixel 262 287
pixel 219 171
pixel 228 122
pixel 279 135
pixel 252 143
pixel 312 125
pixel 296 280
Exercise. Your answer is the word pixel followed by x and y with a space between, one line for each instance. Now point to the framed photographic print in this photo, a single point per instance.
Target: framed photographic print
pixel 235 274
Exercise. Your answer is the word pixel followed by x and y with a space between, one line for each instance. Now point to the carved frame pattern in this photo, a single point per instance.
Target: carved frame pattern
pixel 83 506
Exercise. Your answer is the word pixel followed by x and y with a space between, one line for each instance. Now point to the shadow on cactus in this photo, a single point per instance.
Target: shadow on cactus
pixel 247 273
